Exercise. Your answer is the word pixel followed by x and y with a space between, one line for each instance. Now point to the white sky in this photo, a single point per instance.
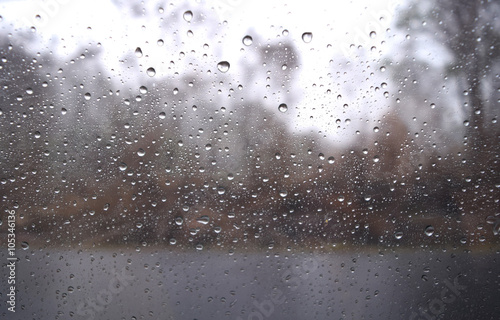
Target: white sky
pixel 335 25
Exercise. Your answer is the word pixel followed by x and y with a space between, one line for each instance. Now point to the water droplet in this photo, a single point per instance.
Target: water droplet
pixel 64 111
pixel 122 166
pixel 247 40
pixel 179 221
pixel 151 72
pixel 199 247
pixel 25 245
pixel 398 235
pixel 223 66
pixel 87 96
pixel 143 90
pixel 188 15
pixel 373 34
pixel 141 152
pixel 283 193
pixel 162 115
pixel 37 134
pixel 283 107
pixel 221 190
pixel 203 220
pixel 160 42
pixel 429 230
pixel 138 52
pixel 376 159
pixel 307 37
pixel 331 160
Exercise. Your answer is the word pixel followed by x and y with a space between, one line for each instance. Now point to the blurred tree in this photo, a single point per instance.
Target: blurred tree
pixel 470 32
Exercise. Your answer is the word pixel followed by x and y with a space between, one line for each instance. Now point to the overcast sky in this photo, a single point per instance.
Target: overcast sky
pixel 335 27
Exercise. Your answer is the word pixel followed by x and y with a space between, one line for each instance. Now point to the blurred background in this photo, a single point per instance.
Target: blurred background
pixel 235 126
pixel 239 124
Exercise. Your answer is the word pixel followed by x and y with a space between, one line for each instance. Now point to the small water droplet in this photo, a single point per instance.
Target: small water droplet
pixel 223 66
pixel 37 134
pixel 398 235
pixel 307 37
pixel 162 115
pixel 64 111
pixel 143 90
pixel 283 107
pixel 25 245
pixel 373 34
pixel 247 40
pixel 87 96
pixel 283 193
pixel 141 152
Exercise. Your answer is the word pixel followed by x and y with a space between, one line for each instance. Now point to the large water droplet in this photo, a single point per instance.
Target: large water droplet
pixel 247 40
pixel 283 107
pixel 203 220
pixel 179 221
pixel 138 52
pixel 223 66
pixel 307 37
pixel 151 72
pixel 188 15
pixel 429 230
pixel 122 166
pixel 141 152
pixel 162 115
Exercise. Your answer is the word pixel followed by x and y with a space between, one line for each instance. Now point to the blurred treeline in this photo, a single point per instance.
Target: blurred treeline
pixel 187 159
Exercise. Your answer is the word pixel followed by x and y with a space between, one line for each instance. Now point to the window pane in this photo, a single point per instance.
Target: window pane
pixel 238 159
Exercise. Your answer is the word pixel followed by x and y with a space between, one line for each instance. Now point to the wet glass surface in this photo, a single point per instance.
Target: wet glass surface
pixel 249 160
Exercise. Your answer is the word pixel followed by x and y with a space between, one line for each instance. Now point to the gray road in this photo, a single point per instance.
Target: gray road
pixel 159 284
